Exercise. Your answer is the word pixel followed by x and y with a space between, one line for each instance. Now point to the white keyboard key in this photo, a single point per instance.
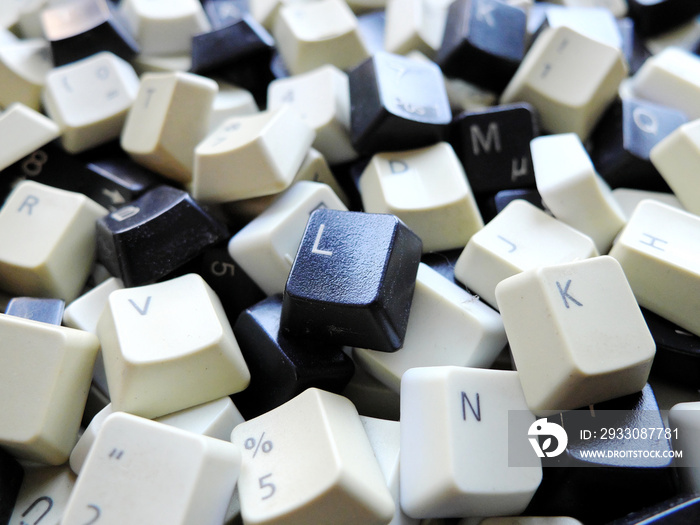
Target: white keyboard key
pixel 162 63
pixel 415 25
pixel 22 131
pixel 628 198
pixel 617 7
pixel 266 247
pixel 455 446
pixel 169 346
pixel 24 65
pixel 576 334
pixel 570 78
pixel 428 190
pixel 684 426
pixel 315 168
pixel 164 27
pixel 658 251
pixel 670 78
pixel 43 495
pixel 310 461
pixel 311 34
pixel 140 471
pixel 169 117
pixel 45 373
pixel 89 99
pixel 267 149
pixel 573 191
pixel 322 99
pixel 231 101
pixel 594 22
pixel 447 326
pixel 519 238
pixel 61 225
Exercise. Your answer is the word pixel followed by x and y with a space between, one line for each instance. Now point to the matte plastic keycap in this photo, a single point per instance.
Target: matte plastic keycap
pixel 352 280
pixel 594 21
pixel 230 101
pixel 684 423
pixel 43 495
pixel 23 130
pixel 415 25
pixel 628 198
pixel 23 68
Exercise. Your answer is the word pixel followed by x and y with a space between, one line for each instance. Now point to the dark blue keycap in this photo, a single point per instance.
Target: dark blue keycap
pixel 224 12
pixel 11 475
pixel 37 309
pixel 352 280
pixel 657 16
pixel 494 146
pixel 680 510
pixel 625 136
pixel 484 42
pixel 154 235
pixel 282 367
pixel 444 263
pixel 396 103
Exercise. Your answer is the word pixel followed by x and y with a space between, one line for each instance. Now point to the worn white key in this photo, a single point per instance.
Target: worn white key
pixel 141 471
pixel 455 445
pixel 45 373
pixel 570 78
pixel 447 326
pixel 573 191
pixel 169 346
pixel 576 334
pixel 658 251
pixel 684 427
pixel 311 34
pixel 230 101
pixel 169 117
pixel 22 131
pixel 415 25
pixel 61 225
pixel 89 99
pixel 266 149
pixel 310 461
pixel 164 27
pixel 519 238
pixel 24 65
pixel 628 198
pixel 322 99
pixel 428 190
pixel 43 495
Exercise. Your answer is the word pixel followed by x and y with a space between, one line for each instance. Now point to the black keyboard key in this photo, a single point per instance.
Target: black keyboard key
pixel 352 280
pixel 397 103
pixel 154 235
pixel 657 16
pixel 492 205
pixel 282 367
pixel 11 475
pixel 37 309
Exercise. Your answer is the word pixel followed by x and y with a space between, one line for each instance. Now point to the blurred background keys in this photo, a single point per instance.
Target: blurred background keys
pixel 37 309
pixel 652 17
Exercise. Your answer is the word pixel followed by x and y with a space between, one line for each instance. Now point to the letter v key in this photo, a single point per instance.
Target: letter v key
pixel 144 310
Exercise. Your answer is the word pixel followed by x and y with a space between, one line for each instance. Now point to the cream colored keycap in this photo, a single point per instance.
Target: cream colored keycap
pixel 230 101
pixel 573 191
pixel 322 99
pixel 169 346
pixel 43 495
pixel 162 63
pixel 266 149
pixel 61 226
pixel 570 78
pixel 595 22
pixel 90 98
pixel 311 34
pixel 415 25
pixel 617 7
pixel 455 447
pixel 265 11
pixel 310 461
pixel 22 131
pixel 45 373
pixel 164 27
pixel 266 247
pixel 447 326
pixel 519 238
pixel 684 429
pixel 140 471
pixel 658 251
pixel 428 190
pixel 576 334
pixel 670 78
pixel 628 198
pixel 169 117
pixel 24 65
pixel 676 158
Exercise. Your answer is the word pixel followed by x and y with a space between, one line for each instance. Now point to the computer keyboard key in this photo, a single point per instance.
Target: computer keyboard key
pixel 23 130
pixel 352 280
pixel 141 471
pixel 493 145
pixel 490 207
pixel 224 12
pixel 447 326
pixel 231 101
pixel 43 495
pixel 23 68
pixel 169 346
pixel 397 103
pixel 591 343
pixel 679 509
pixel 61 225
pixel 89 99
pixel 455 447
pixel 573 191
pixel 684 425
pixel 569 78
pixel 633 45
pixel 37 309
pixel 81 28
pixel 521 237
pixel 484 42
pixel 169 117
pixel 596 22
pixel 414 25
pixel 154 235
pixel 658 16
pixel 310 461
pixel 628 198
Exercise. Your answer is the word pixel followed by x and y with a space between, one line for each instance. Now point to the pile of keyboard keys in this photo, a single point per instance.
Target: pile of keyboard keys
pixel 349 262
